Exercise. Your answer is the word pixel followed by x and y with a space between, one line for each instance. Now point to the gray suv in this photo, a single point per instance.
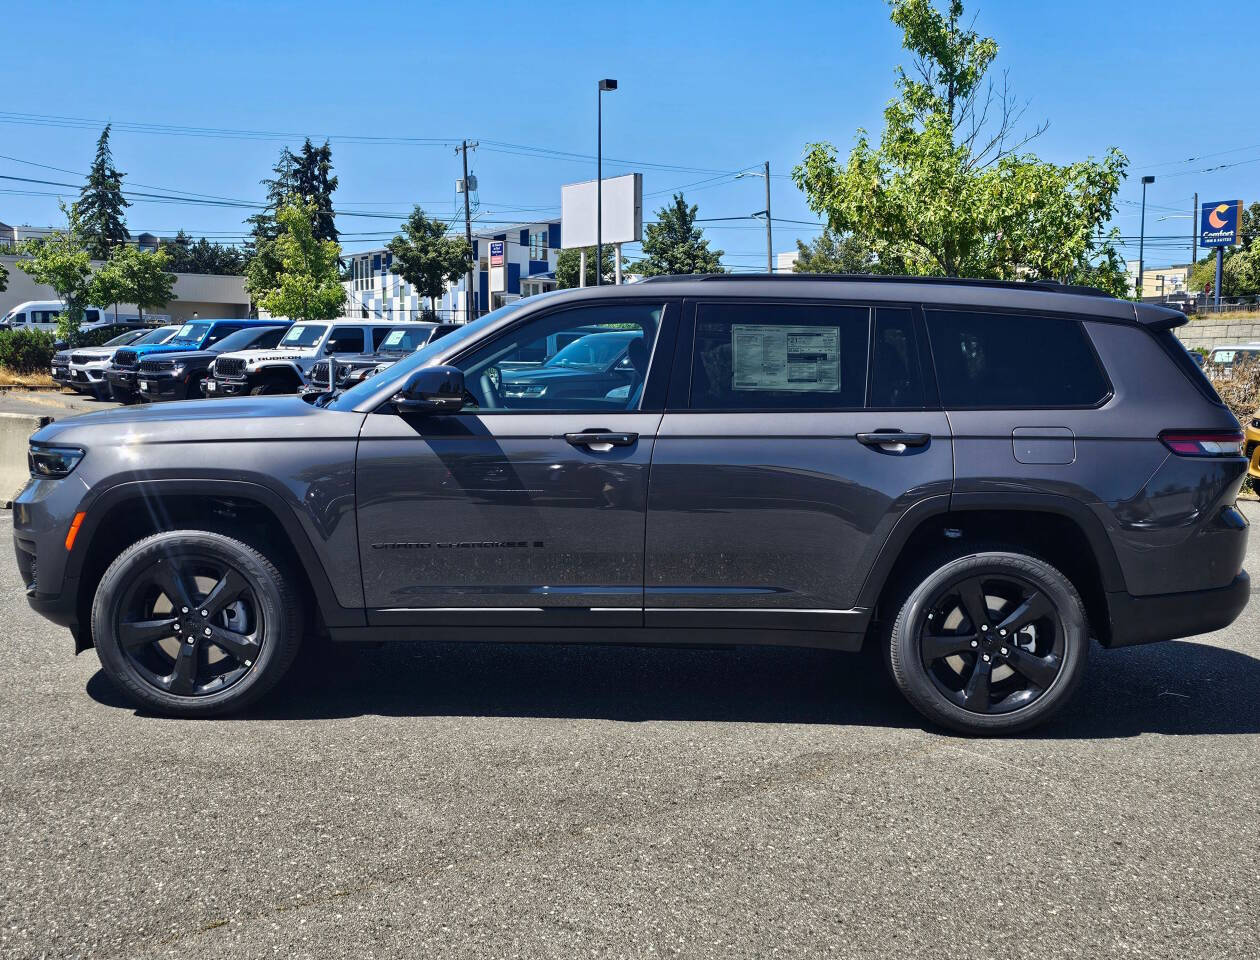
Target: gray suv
pixel 976 477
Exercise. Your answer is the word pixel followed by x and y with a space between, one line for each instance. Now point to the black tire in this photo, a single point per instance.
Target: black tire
pixel 136 623
pixel 971 679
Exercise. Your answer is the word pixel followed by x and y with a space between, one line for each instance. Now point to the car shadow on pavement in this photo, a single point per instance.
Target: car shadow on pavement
pixel 1171 688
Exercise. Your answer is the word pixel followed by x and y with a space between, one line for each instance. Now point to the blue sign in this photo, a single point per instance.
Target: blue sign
pixel 1219 223
pixel 496 253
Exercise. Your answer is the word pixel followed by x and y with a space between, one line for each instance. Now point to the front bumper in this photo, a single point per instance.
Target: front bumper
pixel 122 381
pixel 42 514
pixel 1169 616
pixel 226 388
pixel 162 386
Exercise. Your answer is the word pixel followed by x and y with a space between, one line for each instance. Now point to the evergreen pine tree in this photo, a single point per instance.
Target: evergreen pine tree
pixel 101 204
pixel 674 244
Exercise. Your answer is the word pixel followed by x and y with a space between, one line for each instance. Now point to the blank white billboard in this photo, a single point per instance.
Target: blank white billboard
pixel 623 211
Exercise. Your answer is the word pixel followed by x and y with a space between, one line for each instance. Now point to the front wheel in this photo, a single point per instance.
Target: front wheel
pixel 989 644
pixel 193 624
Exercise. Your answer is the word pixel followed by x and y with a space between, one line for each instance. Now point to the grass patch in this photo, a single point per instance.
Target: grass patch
pixel 10 379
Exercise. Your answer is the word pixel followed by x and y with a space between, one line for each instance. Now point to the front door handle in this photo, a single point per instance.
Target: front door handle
pixel 601 441
pixel 894 441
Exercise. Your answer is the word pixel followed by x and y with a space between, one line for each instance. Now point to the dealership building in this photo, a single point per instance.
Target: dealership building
pixel 528 252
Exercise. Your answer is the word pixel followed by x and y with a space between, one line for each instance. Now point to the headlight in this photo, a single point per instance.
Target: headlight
pixel 53 461
pixel 529 390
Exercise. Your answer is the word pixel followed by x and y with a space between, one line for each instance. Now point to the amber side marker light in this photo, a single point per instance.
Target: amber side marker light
pixel 74 529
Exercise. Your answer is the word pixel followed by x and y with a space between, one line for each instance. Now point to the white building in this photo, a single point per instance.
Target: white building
pixel 530 252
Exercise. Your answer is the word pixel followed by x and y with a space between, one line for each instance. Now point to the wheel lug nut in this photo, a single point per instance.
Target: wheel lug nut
pixel 984 626
pixel 1004 651
pixel 986 658
pixel 177 628
pixel 975 643
pixel 1002 632
pixel 184 609
pixel 206 613
pixel 207 631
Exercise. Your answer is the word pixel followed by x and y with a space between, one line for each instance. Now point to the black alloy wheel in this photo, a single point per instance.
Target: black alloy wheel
pixel 190 625
pixel 193 623
pixel 992 644
pixel 988 643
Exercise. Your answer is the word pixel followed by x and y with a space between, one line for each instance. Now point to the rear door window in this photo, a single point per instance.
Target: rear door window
pixel 779 356
pixel 996 360
pixel 896 374
pixel 346 340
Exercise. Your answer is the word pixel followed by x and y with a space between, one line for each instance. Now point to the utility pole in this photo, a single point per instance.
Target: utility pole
pixel 468 281
pixel 1142 240
pixel 1194 238
pixel 769 240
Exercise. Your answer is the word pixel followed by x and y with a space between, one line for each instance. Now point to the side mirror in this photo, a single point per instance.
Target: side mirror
pixel 431 390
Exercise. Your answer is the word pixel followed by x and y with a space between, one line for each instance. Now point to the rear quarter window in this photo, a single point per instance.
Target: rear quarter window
pixel 998 360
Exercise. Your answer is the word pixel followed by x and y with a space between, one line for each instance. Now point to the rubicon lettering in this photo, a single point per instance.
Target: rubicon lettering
pixel 460 545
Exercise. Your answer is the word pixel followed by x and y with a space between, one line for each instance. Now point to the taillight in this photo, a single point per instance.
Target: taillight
pixel 1195 443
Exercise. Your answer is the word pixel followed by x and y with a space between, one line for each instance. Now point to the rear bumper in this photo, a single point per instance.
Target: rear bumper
pixel 1168 616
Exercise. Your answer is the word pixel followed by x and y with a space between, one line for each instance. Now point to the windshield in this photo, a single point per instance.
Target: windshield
pixel 303 335
pixel 261 338
pixel 404 341
pixel 1229 356
pixel 160 335
pixel 356 395
pixel 122 339
pixel 191 333
pixel 594 352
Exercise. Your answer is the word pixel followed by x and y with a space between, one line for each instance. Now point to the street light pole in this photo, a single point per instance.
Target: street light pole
pixel 1142 238
pixel 599 179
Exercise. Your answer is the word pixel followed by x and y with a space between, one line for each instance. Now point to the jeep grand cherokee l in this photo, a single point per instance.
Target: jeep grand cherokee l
pixel 817 461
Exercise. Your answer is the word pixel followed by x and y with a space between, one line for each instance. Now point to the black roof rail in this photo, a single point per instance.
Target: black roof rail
pixel 1050 286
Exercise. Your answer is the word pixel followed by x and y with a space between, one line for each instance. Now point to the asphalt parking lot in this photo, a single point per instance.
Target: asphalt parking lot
pixel 532 801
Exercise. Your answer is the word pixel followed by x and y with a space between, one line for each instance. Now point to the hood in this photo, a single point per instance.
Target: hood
pixel 185 355
pixel 260 356
pixel 148 348
pixel 191 421
pixel 93 353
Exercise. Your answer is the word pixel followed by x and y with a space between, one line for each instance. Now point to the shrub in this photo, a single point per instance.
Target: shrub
pixel 1239 387
pixel 26 351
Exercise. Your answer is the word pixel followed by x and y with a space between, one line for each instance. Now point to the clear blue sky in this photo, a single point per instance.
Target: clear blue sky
pixel 704 86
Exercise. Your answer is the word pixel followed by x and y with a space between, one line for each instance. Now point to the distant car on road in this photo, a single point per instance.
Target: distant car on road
pixel 182 375
pixel 1222 359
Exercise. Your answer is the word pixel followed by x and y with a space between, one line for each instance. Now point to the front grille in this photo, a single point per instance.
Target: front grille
pixel 82 358
pixel 319 374
pixel 229 368
pixel 28 568
pixel 126 359
pixel 156 366
pixel 60 363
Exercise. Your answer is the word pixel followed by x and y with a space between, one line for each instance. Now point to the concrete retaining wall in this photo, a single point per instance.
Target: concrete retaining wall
pixel 1209 332
pixel 15 432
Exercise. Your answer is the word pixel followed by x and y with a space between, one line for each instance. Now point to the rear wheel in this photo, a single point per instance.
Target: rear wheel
pixel 191 623
pixel 991 643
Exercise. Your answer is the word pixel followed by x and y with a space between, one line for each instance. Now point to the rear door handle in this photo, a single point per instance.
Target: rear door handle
pixel 601 440
pixel 894 440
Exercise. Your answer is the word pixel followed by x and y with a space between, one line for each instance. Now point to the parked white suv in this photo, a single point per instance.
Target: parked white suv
pixel 286 368
pixel 83 369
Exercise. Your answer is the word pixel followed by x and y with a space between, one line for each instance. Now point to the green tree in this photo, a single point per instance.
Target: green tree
pixel 426 257
pixel 202 256
pixel 831 252
pixel 308 286
pixel 4 278
pixel 137 276
pixel 947 191
pixel 674 244
pixel 101 204
pixel 304 176
pixel 108 286
pixel 61 261
pixel 569 267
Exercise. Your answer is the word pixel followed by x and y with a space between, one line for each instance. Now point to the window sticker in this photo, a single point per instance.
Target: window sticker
pixel 785 358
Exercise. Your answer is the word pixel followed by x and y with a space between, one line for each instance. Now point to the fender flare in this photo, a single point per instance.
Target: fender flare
pixel 1111 575
pixel 120 494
